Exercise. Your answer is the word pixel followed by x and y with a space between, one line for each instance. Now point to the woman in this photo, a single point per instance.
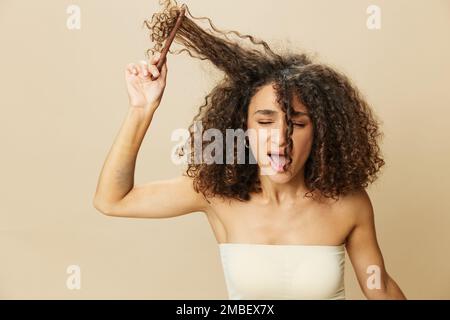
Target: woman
pixel 283 221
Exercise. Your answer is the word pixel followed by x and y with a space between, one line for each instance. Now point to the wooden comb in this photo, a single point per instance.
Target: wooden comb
pixel 169 40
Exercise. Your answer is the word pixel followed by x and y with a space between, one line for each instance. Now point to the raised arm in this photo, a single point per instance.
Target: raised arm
pixel 365 254
pixel 116 194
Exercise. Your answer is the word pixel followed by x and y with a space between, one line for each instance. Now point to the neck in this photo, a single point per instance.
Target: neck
pixel 283 193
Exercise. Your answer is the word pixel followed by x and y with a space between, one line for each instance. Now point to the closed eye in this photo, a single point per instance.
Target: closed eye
pixel 264 122
pixel 301 125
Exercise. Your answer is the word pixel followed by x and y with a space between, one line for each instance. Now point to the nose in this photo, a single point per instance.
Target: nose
pixel 278 133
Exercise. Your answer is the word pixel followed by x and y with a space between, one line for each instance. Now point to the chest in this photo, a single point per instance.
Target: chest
pixel 298 223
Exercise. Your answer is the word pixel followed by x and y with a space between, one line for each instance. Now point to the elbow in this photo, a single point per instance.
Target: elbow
pixel 102 207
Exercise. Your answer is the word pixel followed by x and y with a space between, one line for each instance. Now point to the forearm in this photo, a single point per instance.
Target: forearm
pixel 393 291
pixel 117 175
pixel 389 291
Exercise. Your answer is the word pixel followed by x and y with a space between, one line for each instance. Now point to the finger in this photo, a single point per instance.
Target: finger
pixel 154 71
pixel 143 68
pixel 155 58
pixel 133 69
pixel 130 68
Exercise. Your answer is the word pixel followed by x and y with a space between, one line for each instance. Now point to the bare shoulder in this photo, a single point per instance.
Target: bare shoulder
pixel 356 206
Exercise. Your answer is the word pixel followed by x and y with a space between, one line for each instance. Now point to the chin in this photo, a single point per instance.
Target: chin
pixel 280 178
pixel 276 177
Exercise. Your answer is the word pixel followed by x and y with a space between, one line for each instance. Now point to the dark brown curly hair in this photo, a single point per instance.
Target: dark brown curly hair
pixel 345 154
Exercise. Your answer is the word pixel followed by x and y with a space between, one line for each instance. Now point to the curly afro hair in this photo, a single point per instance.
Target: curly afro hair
pixel 345 154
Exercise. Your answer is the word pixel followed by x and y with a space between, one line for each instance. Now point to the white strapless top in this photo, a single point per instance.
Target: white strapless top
pixel 266 271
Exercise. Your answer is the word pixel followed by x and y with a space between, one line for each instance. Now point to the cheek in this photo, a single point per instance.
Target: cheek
pixel 258 137
pixel 302 145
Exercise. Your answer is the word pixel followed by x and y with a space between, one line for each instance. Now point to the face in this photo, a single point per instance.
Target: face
pixel 267 122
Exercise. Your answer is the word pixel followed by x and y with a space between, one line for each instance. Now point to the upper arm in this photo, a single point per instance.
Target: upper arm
pixel 160 199
pixel 362 245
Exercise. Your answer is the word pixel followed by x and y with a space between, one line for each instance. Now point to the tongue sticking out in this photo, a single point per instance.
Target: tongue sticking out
pixel 277 162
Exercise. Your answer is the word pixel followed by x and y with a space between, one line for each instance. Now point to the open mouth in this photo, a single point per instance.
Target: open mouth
pixel 277 161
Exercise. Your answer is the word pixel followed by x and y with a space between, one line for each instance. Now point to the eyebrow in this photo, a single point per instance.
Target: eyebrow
pixel 269 112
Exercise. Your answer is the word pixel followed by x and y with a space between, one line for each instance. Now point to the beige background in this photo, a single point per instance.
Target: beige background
pixel 63 100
